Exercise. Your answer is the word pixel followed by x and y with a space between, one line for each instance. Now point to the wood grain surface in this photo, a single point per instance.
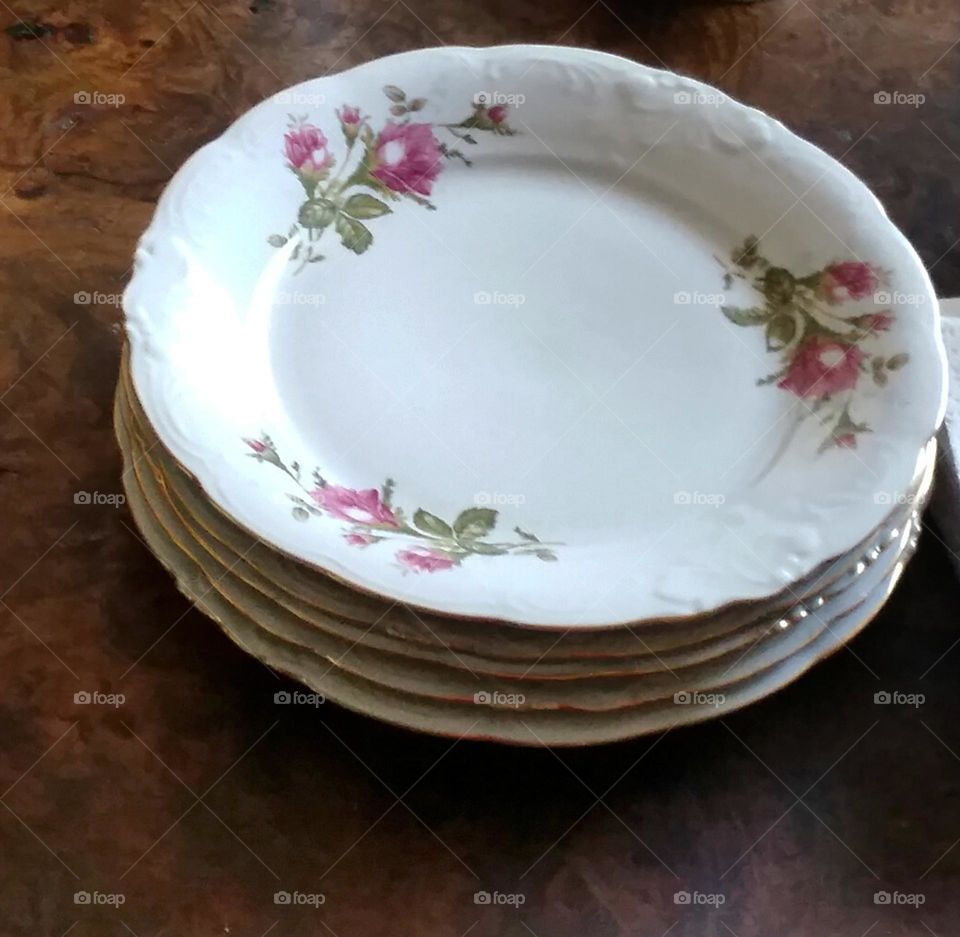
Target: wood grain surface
pixel 184 808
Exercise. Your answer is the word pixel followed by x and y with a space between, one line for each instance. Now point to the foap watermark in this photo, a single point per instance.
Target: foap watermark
pixel 96 298
pixel 900 98
pixel 713 899
pixel 896 298
pixel 99 99
pixel 898 698
pixel 695 298
pixel 499 498
pixel 914 899
pixel 298 698
pixel 486 298
pixel 894 497
pixel 113 499
pixel 711 98
pixel 114 899
pixel 299 97
pixel 96 698
pixel 300 299
pixel 696 698
pixel 499 698
pixel 711 499
pixel 309 899
pixel 516 899
pixel 498 99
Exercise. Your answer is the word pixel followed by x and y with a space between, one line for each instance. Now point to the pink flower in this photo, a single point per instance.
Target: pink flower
pixel 256 445
pixel 846 441
pixel 357 507
pixel 822 366
pixel 497 113
pixel 424 560
pixel 851 279
pixel 349 115
pixel 407 157
pixel 306 150
pixel 350 122
pixel 360 540
pixel 876 322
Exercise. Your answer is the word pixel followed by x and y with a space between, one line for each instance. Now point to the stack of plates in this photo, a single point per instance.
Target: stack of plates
pixel 527 394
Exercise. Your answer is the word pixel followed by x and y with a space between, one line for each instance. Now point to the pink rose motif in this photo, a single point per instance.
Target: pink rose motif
pixel 407 157
pixel 357 507
pixel 360 540
pixel 256 445
pixel 349 115
pixel 306 150
pixel 424 560
pixel 876 322
pixel 497 113
pixel 851 279
pixel 350 122
pixel 822 366
pixel 846 441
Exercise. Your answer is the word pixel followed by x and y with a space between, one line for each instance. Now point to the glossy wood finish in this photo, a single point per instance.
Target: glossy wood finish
pixel 197 798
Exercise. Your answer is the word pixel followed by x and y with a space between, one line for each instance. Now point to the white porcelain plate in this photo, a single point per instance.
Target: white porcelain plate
pixel 536 334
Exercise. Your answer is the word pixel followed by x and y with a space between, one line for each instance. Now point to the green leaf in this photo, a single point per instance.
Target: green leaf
pixel 846 424
pixel 746 254
pixel 779 285
pixel 485 549
pixel 474 523
pixel 300 514
pixel 738 316
pixel 354 235
pixel 317 213
pixel 478 120
pixel 420 200
pixel 431 524
pixel 525 535
pixel 394 94
pixel 781 330
pixel 895 362
pixel 454 154
pixel 547 556
pixel 276 240
pixel 365 206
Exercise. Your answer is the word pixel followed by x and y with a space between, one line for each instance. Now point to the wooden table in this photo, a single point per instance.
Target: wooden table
pixel 190 801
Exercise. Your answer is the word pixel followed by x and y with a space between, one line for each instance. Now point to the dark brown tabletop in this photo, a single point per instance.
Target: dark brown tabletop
pixel 186 800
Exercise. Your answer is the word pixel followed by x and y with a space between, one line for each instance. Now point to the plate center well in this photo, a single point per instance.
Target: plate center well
pixel 539 344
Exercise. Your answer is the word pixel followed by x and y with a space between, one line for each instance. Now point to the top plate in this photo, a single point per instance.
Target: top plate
pixel 536 334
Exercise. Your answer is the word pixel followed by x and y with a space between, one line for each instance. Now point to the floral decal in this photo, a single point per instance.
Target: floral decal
pixel 820 342
pixel 401 160
pixel 429 543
